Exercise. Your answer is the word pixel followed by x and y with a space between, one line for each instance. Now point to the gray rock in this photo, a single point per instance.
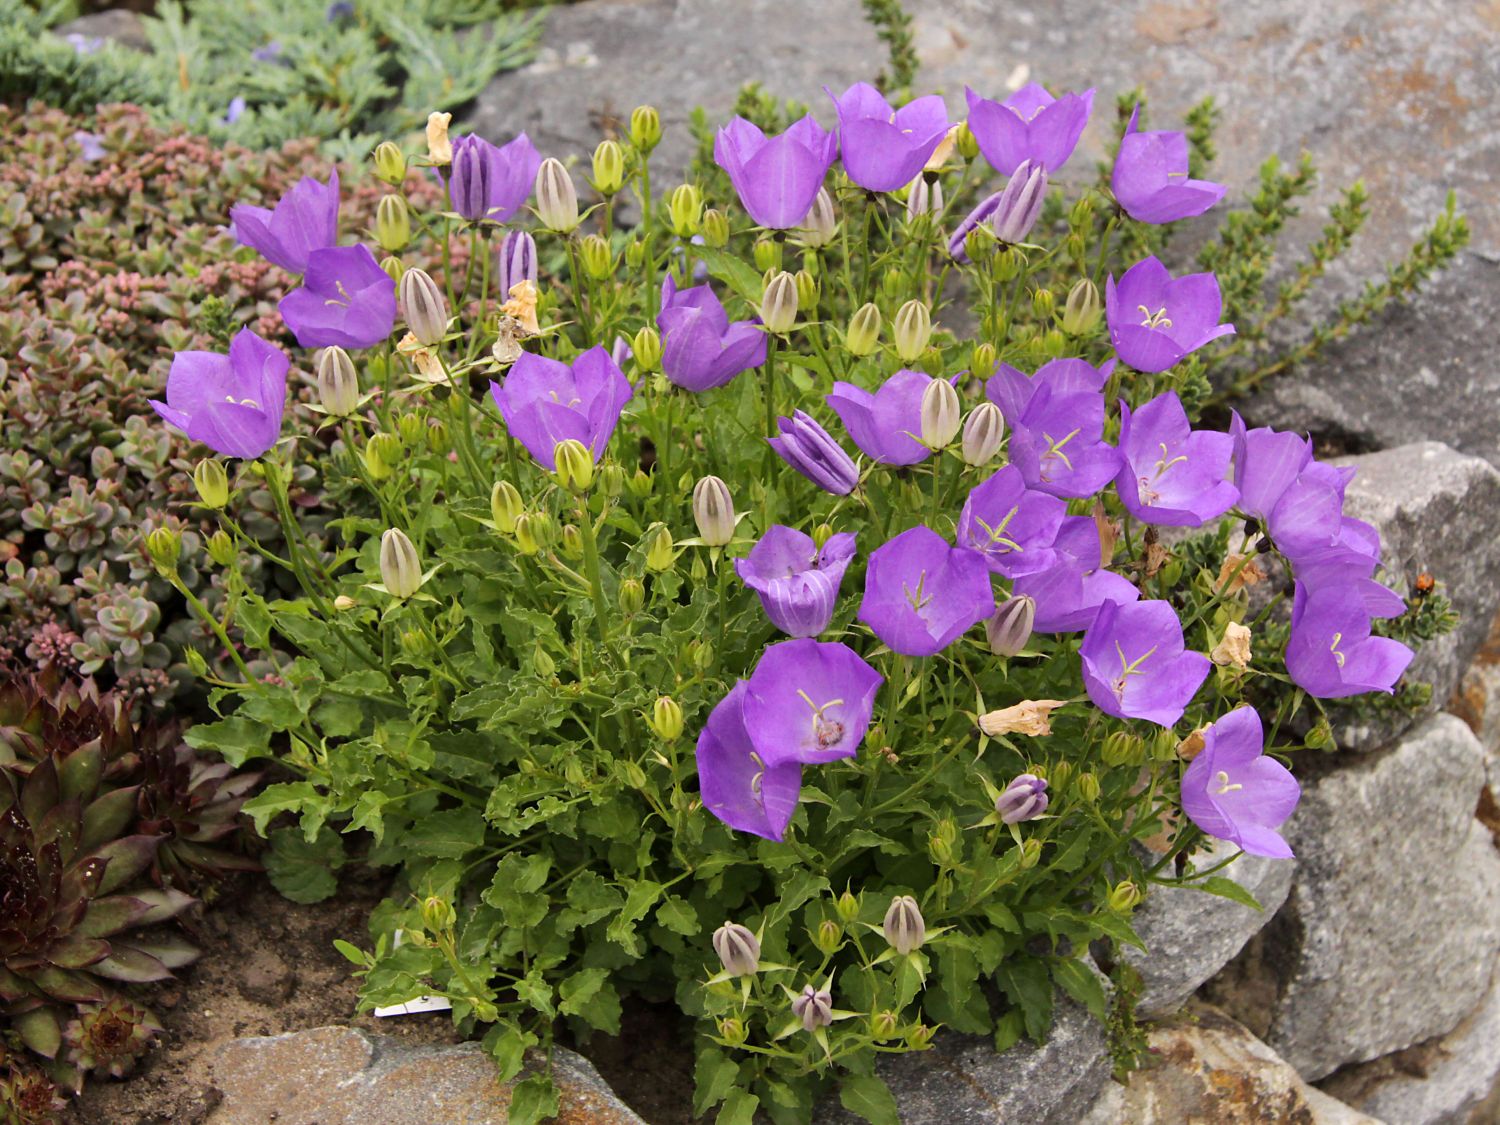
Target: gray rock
pixel 1209 1068
pixel 1477 701
pixel 114 25
pixel 1433 1083
pixel 961 1080
pixel 1433 507
pixel 1390 933
pixel 341 1076
pixel 1191 935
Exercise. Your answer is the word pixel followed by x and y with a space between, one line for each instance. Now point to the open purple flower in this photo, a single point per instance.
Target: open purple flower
pixel 544 401
pixel 778 177
pixel 1233 792
pixel 921 594
pixel 346 300
pixel 886 425
pixel 1029 125
pixel 1173 474
pixel 1135 665
pixel 884 148
pixel 1012 390
pixel 1058 443
pixel 809 702
pixel 1010 525
pixel 485 182
pixel 1068 593
pixel 811 450
pixel 1150 178
pixel 305 219
pixel 798 585
pixel 737 785
pixel 1155 319
pixel 231 403
pixel 1349 562
pixel 1264 465
pixel 1331 653
pixel 701 349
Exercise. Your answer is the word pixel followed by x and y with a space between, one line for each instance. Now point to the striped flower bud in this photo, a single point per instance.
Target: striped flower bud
pixel 912 328
pixel 574 464
pixel 646 347
pixel 392 223
pixel 1025 798
pixel 685 210
pixel 820 226
pixel 400 568
pixel 1020 203
pixel 738 949
pixel 517 260
pixel 645 127
pixel 983 432
pixel 1082 309
pixel 1010 628
pixel 778 307
pixel 715 228
pixel 923 199
pixel 767 254
pixel 713 511
pixel 660 554
pixel 556 198
pixel 212 483
pixel 807 289
pixel 814 1007
pixel 940 414
pixel 221 548
pixel 609 168
pixel 598 261
pixel 390 162
pixel 904 927
pixel 423 306
pixel 525 532
pixel 164 547
pixel 338 385
pixel 382 455
pixel 666 718
pixel 505 506
pixel 863 336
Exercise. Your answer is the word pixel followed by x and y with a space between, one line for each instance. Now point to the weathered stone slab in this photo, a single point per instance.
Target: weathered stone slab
pixel 1390 933
pixel 342 1076
pixel 1191 935
pixel 115 25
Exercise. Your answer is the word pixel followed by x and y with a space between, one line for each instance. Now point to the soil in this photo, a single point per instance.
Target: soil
pixel 650 1063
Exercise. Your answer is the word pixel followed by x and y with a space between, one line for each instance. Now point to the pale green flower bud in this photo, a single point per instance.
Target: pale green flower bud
pixel 212 483
pixel 828 936
pixel 611 479
pixel 423 306
pixel 904 927
pixel 382 455
pixel 556 198
pixel 941 415
pixel 438 915
pixel 646 348
pixel 919 1035
pixel 1082 213
pixel 164 546
pixel 883 1025
pixel 1043 302
pixel 542 661
pixel 400 568
pixel 715 228
pixel 1088 787
pixel 685 210
pixel 1031 852
pixel 437 436
pixel 1083 308
pixel 632 596
pixel 807 290
pixel 609 168
pixel 968 146
pixel 645 127
pixel 821 535
pixel 738 949
pixel 338 384
pixel 847 906
pixel 635 253
pixel 1054 343
pixel 713 511
pixel 863 336
pixel 639 484
pixel 412 430
pixel 1010 628
pixel 912 328
pixel 820 226
pixel 221 548
pixel 666 719
pixel 505 506
pixel 767 255
pixel 572 541
pixel 390 162
pixel 525 532
pixel 979 243
pixel 1124 897
pixel 732 1031
pixel 894 283
pixel 984 359
pixel 392 223
pixel 778 307
pixel 598 261
pixel 393 266
pixel 1009 264
pixel 659 552
pixel 983 432
pixel 574 464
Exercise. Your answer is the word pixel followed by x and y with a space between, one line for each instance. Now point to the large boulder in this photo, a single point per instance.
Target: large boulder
pixel 1391 930
pixel 342 1076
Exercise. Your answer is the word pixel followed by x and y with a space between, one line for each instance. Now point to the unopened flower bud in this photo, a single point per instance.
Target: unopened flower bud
pixel 1088 787
pixel 863 336
pixel 645 127
pixel 382 455
pixel 609 168
pixel 438 915
pixel 904 927
pixel 807 290
pixel 923 199
pixel 338 385
pixel 393 267
pixel 639 484
pixel 392 223
pixel 1320 737
pixel 211 482
pixel 423 306
pixel 659 552
pixel 732 1031
pixel 778 307
pixel 1123 897
pixel 666 718
pixel 571 544
pixel 919 1036
pixel 814 1007
pixel 1025 798
pixel 767 255
pixel 847 906
pixel 574 464
pixel 632 596
pixel 611 479
pixel 390 162
pixel 1121 748
pixel 164 546
pixel 1083 308
pixel 820 226
pixel 940 414
pixel 715 228
pixel 598 260
pixel 713 511
pixel 883 1025
pixel 646 347
pixel 828 936
pixel 439 147
pixel 912 328
pixel 1043 302
pixel 894 283
pixel 412 430
pixel 221 548
pixel 1010 628
pixel 1008 264
pixel 738 949
pixel 821 535
pixel 556 198
pixel 685 210
pixel 517 257
pixel 437 436
pixel 984 430
pixel 526 541
pixel 940 850
pixel 545 528
pixel 1020 203
pixel 967 144
pixel 1031 852
pixel 400 568
pixel 979 244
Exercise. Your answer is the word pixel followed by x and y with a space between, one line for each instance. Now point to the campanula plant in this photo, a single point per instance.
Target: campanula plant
pixel 712 619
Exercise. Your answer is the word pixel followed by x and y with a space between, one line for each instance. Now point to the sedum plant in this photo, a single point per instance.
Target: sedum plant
pixel 820 604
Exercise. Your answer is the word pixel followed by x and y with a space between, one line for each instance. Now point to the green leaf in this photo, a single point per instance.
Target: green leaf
pixel 447 834
pixel 1228 888
pixel 739 1108
pixel 351 953
pixel 678 915
pixel 507 1045
pixel 1028 984
pixel 236 738
pixel 534 991
pixel 1112 925
pixel 286 796
pixel 533 1100
pixel 639 898
pixel 302 871
pixel 732 270
pixel 589 995
pixel 869 1097
pixel 1079 982
pixel 714 1077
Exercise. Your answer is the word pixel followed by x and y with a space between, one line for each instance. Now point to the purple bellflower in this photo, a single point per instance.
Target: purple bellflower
pixel 1058 443
pixel 798 585
pixel 884 148
pixel 486 182
pixel 235 110
pixel 700 347
pixel 305 219
pixel 1234 792
pixel 809 702
pixel 1331 653
pixel 346 299
pixel 1135 665
pixel 811 450
pixel 1150 178
pixel 1012 390
pixel 1029 125
pixel 1172 475
pixel 231 403
pixel 1011 526
pixel 1264 465
pixel 517 259
pixel 545 401
pixel 886 425
pixel 1068 594
pixel 737 785
pixel 90 146
pixel 1155 319
pixel 922 594
pixel 777 178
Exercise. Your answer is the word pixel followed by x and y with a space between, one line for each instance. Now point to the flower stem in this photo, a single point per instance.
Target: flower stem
pixel 592 571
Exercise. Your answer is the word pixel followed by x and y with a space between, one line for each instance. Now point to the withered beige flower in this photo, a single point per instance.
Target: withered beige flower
pixel 1030 716
pixel 1235 576
pixel 1191 746
pixel 439 148
pixel 1234 649
pixel 522 305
